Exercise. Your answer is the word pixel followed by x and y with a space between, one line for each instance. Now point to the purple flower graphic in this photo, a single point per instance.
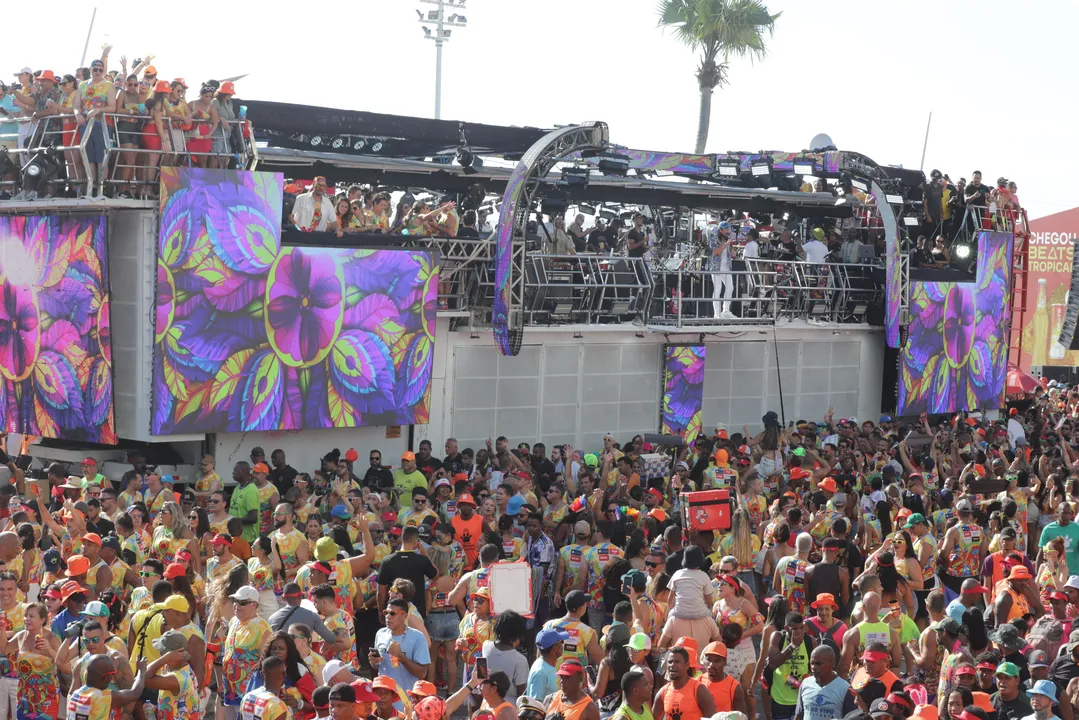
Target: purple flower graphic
pixel 303 305
pixel 20 332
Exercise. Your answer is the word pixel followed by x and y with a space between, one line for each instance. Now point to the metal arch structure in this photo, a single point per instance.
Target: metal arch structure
pixel 507 320
pixel 897 272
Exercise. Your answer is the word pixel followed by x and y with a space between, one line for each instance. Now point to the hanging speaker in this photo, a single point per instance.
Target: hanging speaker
pixel 1068 339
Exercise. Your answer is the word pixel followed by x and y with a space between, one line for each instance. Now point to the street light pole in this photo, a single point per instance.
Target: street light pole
pixel 438 72
pixel 442 26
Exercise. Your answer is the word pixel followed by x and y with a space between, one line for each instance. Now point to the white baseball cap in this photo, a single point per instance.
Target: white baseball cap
pixel 332 668
pixel 245 594
pixel 1073 582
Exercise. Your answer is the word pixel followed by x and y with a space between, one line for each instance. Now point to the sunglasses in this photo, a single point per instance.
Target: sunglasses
pixel 244 603
pixel 143 573
pixel 213 502
pixel 651 564
pixel 391 613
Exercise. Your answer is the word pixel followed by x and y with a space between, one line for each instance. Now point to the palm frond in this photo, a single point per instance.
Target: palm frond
pixel 731 28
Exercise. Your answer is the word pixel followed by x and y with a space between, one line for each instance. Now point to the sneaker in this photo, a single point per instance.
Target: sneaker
pixel 728 315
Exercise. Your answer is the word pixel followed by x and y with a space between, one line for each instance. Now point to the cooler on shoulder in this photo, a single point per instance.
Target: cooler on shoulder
pixel 706 510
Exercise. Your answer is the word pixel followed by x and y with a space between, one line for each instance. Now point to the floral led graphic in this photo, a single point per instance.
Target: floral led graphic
pixel 683 390
pixel 956 354
pixel 251 335
pixel 55 344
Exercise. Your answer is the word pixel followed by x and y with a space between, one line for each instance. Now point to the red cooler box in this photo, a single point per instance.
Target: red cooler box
pixel 706 510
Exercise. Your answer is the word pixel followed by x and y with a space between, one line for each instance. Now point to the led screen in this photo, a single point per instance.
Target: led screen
pixel 250 335
pixel 55 346
pixel 683 390
pixel 956 353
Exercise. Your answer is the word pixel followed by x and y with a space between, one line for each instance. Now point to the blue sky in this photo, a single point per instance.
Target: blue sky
pixel 998 76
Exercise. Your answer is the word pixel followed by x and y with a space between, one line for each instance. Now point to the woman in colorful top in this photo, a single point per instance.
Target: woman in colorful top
pixel 1053 572
pixel 172 534
pixel 71 133
pixel 129 103
pixel 263 567
pixel 204 122
pixel 299 682
pixel 39 695
pixel 442 621
pixel 734 608
pixel 348 219
pixel 27 565
pixel 207 482
pixel 179 117
pixel 511 544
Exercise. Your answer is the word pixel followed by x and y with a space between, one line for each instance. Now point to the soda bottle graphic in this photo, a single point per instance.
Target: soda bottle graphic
pixel 1039 344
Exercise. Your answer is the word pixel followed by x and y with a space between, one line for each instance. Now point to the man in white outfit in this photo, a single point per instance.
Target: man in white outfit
pixel 719 241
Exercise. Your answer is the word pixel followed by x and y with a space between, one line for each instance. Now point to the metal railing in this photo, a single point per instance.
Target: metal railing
pixel 766 291
pixel 134 152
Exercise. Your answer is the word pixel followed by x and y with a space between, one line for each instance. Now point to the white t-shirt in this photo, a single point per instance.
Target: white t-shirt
pixel 1015 431
pixel 752 250
pixel 693 594
pixel 816 251
pixel 304 211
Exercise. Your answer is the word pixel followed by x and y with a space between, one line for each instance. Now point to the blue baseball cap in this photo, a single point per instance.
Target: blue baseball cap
pixel 885 418
pixel 514 505
pixel 724 225
pixel 340 511
pixel 547 638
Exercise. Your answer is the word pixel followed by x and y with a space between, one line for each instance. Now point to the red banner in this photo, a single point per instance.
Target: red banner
pixel 1048 280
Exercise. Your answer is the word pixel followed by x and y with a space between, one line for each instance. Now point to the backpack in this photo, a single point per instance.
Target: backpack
pixel 1046 634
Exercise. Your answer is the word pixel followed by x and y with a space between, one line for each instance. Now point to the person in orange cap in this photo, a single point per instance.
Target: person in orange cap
pixel 386 689
pixel 268 497
pixel 1020 597
pixel 99 575
pixel 725 689
pixel 684 696
pixel 406 478
pixel 223 135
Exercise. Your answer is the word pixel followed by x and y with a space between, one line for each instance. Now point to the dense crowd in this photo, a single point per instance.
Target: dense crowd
pixel 885 569
pixel 148 120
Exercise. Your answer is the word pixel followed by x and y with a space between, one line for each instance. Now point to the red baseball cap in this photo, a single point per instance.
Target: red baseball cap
pixel 977 589
pixel 875 655
pixel 89 461
pixel 570 667
pixel 222 539
pixel 965 670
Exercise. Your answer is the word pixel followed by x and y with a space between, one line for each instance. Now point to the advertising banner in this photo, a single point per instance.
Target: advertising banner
pixel 1049 278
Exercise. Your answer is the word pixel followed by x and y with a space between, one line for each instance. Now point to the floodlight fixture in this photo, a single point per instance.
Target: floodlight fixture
pixel 962 252
pixel 804 167
pixel 760 168
pixel 893 199
pixel 911 221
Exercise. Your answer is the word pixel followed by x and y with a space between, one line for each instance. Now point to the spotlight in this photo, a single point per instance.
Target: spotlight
pixel 587 209
pixel 860 185
pixel 613 164
pixel 462 19
pixel 377 147
pixel 420 13
pixel 338 143
pixel 893 199
pixel 760 168
pixel 359 144
pixel 911 221
pixel 467 160
pixel 575 176
pixel 427 32
pixel 452 18
pixel 432 14
pixel 39 172
pixel 962 252
pixel 318 140
pixel 803 167
pixel 445 33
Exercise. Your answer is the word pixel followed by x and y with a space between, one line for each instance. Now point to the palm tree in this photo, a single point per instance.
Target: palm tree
pixel 719 29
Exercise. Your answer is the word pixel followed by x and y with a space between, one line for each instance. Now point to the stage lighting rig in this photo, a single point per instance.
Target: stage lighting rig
pixel 760 168
pixel 575 176
pixel 804 167
pixel 42 169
